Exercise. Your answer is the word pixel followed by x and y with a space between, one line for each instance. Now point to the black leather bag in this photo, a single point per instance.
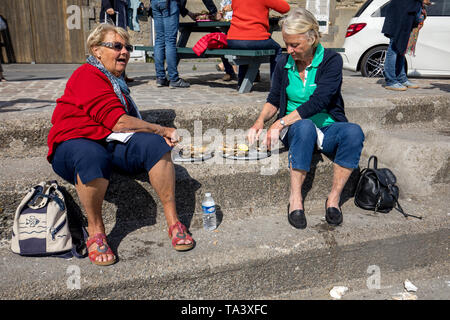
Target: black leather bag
pixel 377 190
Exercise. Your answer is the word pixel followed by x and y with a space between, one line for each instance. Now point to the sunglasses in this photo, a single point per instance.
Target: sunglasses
pixel 117 46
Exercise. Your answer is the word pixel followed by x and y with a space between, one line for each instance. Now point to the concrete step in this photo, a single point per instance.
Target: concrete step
pixel 234 185
pixel 420 158
pixel 23 135
pixel 254 257
pixel 399 111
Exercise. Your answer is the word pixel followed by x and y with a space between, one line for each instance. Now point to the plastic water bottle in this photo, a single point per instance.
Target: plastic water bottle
pixel 209 212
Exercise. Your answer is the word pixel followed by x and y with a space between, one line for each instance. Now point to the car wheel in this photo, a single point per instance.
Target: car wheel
pixel 372 63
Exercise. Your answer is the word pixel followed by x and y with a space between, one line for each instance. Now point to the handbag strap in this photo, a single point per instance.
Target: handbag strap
pixel 399 207
pixel 375 162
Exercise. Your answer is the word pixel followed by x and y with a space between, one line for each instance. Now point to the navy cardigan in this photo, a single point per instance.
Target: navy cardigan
pixel 327 94
pixel 400 20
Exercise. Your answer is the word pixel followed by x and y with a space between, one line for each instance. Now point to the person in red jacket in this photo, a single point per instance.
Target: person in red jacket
pixel 249 28
pixel 97 128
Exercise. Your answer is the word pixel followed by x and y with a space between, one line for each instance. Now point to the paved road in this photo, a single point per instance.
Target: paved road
pixel 24 72
pixel 35 88
pixel 432 283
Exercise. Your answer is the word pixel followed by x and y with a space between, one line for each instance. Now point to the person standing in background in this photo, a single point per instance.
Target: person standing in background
pixel 110 7
pixel 2 78
pixel 3 26
pixel 166 19
pixel 108 15
pixel 401 18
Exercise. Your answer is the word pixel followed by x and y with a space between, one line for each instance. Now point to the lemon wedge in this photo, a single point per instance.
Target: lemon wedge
pixel 242 147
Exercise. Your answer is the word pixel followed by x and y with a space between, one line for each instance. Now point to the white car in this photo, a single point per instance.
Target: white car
pixel 365 45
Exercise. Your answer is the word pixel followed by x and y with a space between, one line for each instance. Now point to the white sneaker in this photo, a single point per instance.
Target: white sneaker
pixel 396 87
pixel 410 85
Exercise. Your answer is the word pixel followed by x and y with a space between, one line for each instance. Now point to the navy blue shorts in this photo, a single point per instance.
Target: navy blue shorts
pixel 92 159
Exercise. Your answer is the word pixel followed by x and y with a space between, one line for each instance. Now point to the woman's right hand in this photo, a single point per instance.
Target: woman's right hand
pixel 110 11
pixel 255 131
pixel 171 136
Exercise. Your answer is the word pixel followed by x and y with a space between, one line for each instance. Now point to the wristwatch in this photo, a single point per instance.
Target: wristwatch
pixel 282 122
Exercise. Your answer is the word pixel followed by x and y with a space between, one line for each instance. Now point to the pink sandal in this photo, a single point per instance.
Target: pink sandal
pixel 102 248
pixel 182 234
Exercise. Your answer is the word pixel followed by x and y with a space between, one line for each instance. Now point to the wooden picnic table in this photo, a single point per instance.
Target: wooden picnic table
pixel 252 58
pixel 187 28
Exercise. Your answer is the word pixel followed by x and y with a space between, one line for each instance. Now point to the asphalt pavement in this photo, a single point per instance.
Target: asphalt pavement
pixel 27 72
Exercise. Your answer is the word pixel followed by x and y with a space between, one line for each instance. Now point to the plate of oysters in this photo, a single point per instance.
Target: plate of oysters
pixel 192 153
pixel 241 151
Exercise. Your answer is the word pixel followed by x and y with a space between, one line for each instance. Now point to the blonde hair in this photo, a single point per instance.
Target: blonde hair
pixel 98 35
pixel 301 21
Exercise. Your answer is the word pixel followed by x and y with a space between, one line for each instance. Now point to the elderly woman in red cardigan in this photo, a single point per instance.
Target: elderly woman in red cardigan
pixel 97 128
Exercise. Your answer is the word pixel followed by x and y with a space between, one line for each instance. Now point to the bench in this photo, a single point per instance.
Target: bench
pixel 252 58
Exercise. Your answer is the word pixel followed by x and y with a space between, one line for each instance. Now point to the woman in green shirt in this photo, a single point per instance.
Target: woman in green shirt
pixel 306 95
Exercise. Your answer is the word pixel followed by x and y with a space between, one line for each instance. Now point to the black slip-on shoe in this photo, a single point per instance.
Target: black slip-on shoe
pixel 297 219
pixel 333 215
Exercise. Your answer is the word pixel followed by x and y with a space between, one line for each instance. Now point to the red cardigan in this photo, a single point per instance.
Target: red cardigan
pixel 89 108
pixel 250 19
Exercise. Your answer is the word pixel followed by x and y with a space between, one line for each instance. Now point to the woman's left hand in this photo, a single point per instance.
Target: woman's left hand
pixel 273 134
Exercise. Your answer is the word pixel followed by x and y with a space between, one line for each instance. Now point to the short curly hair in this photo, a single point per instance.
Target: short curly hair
pixel 301 21
pixel 98 35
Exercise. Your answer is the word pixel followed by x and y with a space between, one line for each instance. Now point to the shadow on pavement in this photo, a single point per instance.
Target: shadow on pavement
pixel 4 105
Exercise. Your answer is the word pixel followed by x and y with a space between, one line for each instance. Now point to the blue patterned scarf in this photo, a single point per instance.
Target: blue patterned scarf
pixel 120 88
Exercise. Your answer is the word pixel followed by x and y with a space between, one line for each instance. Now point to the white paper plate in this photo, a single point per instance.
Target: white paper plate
pixel 252 155
pixel 178 157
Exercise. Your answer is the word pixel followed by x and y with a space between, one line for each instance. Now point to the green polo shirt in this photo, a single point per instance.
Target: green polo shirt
pixel 299 92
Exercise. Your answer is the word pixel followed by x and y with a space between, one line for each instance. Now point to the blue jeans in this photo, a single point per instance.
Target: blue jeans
pixel 256 45
pixel 342 143
pixel 166 22
pixel 394 67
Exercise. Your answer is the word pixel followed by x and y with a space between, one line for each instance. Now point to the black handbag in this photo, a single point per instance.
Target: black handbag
pixel 377 190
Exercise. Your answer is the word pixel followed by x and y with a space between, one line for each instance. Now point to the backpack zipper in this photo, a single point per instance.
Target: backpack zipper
pixel 54 231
